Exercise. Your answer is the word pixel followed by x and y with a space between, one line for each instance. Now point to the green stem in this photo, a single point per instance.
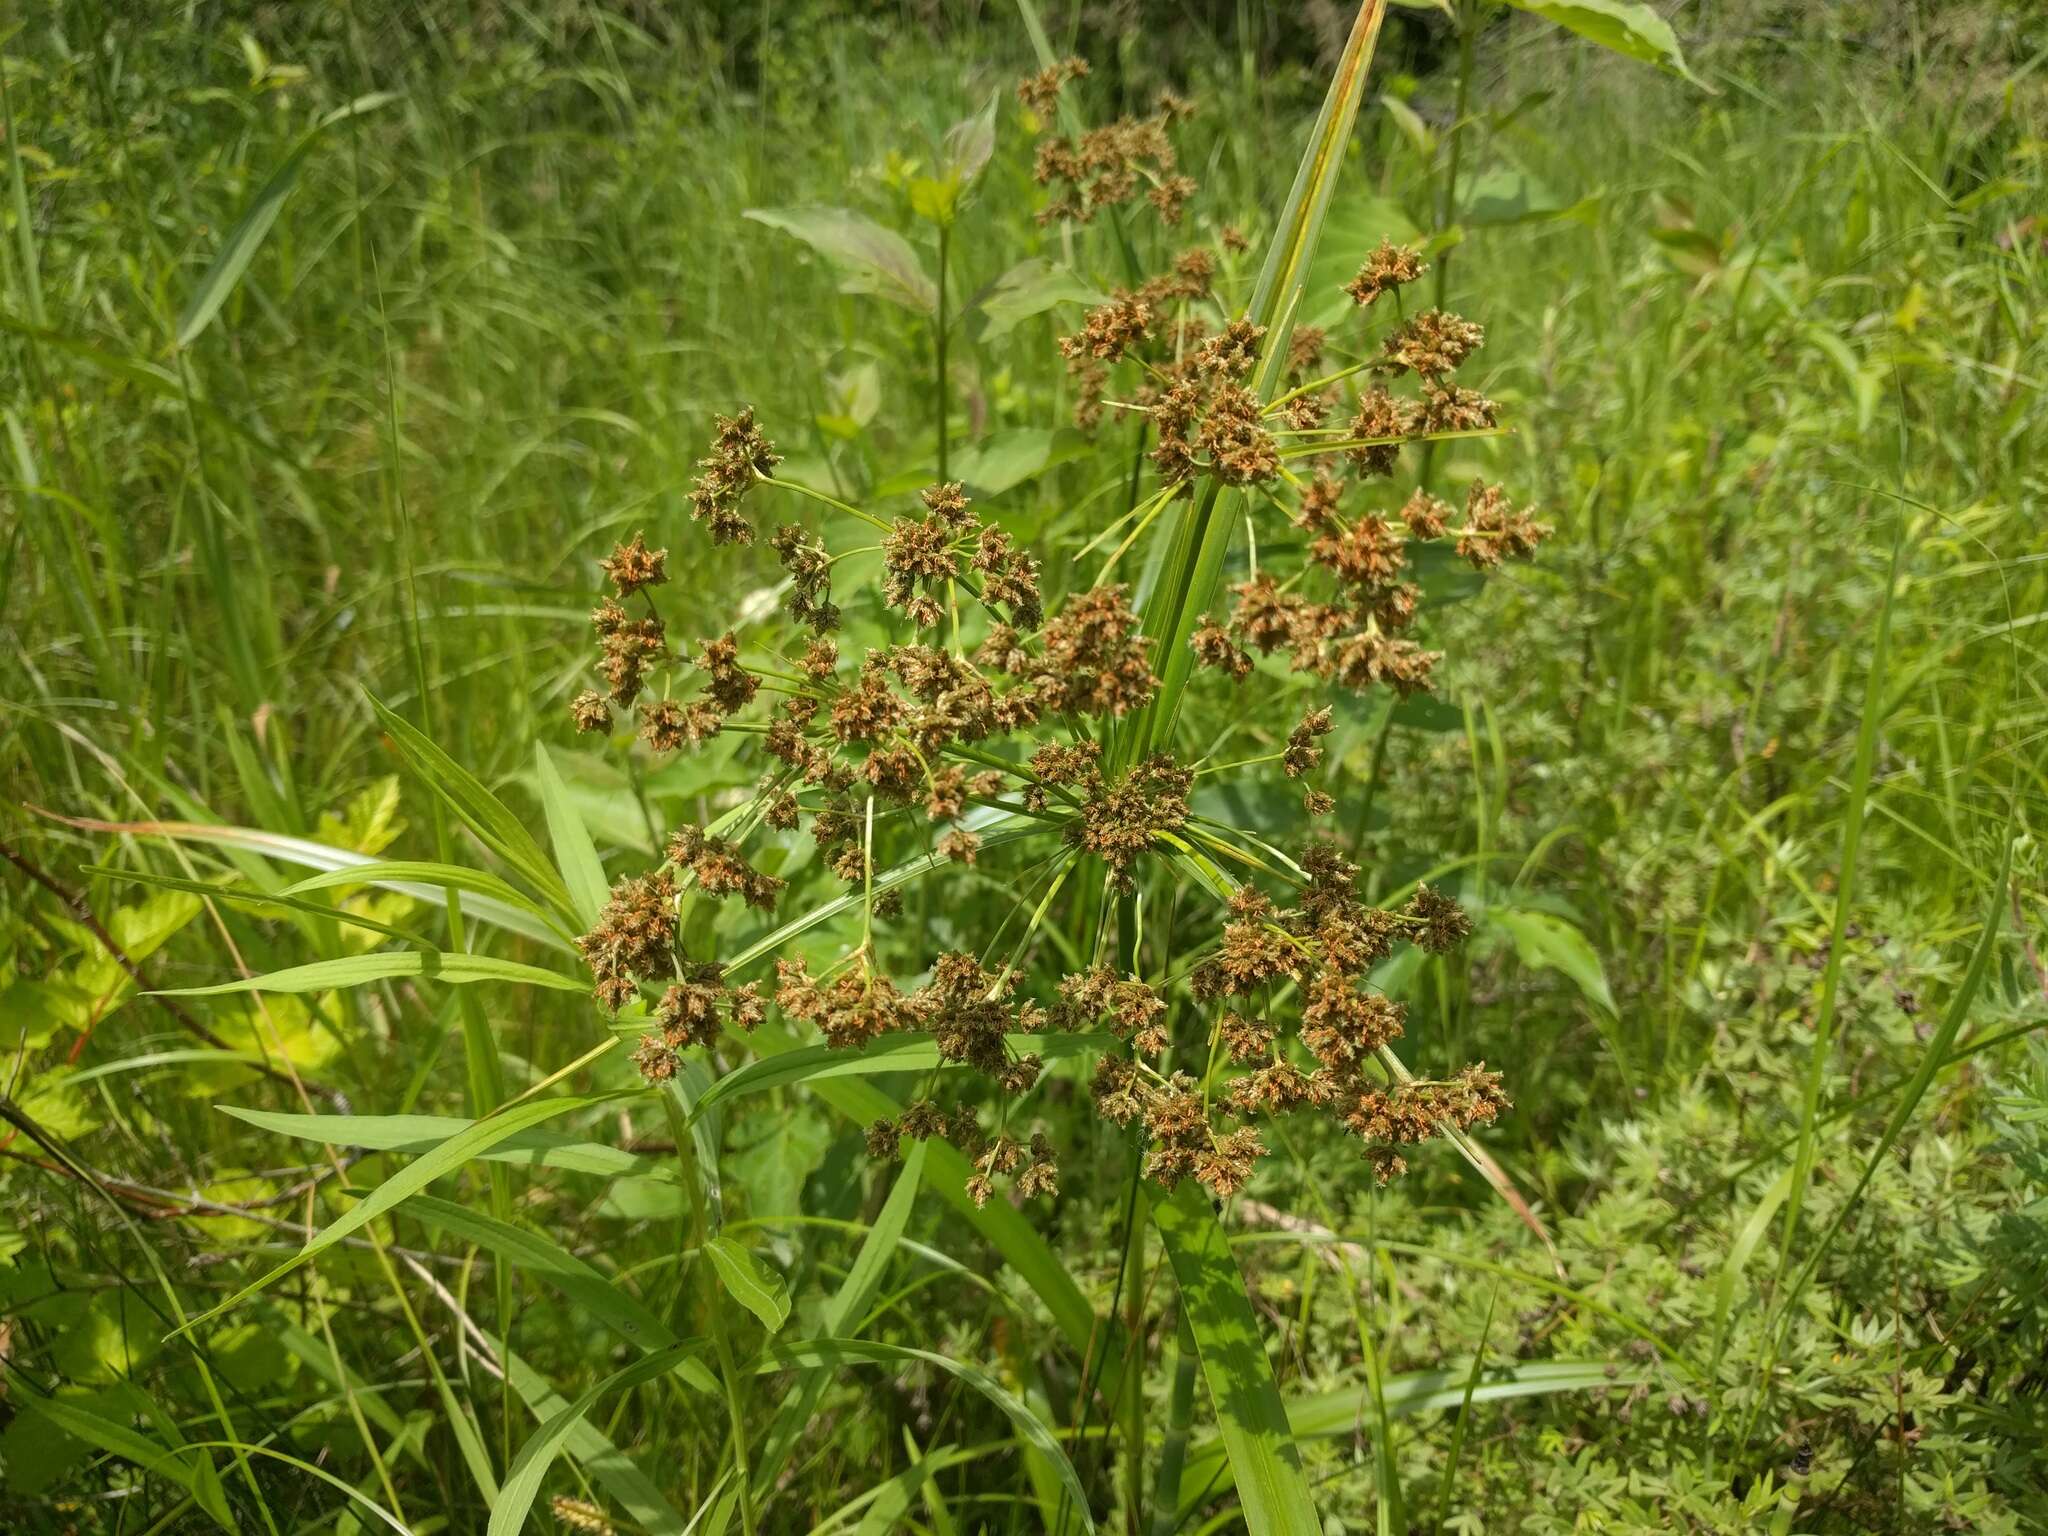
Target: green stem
pixel 939 330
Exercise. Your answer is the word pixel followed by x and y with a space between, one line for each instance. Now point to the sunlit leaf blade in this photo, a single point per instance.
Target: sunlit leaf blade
pixel 530 1467
pixel 451 966
pixel 421 1133
pixel 910 1051
pixel 1250 1416
pixel 481 811
pixel 875 260
pixel 496 903
pixel 1629 27
pixel 582 871
pixel 830 1352
pixel 410 1180
pixel 1328 1414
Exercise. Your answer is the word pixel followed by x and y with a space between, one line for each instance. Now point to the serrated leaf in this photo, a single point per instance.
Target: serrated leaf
pixel 750 1281
pixel 1628 27
pixel 876 260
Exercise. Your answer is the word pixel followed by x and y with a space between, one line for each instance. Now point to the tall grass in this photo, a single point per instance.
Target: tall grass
pixel 1735 780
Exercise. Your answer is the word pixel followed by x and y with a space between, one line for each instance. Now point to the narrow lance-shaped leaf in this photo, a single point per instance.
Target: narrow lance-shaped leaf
pixel 410 1180
pixel 530 1467
pixel 451 966
pixel 240 247
pixel 1250 1415
pixel 481 811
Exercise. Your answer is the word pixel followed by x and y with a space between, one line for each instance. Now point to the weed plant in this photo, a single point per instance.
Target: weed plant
pixel 1073 781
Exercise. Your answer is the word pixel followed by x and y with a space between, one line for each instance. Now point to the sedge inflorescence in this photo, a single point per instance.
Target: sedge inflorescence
pixel 979 711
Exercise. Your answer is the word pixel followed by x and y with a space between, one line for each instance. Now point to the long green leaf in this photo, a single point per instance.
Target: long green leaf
pixel 1250 1415
pixel 451 966
pixel 411 1179
pixel 530 1467
pixel 239 249
pixel 608 1466
pixel 911 1051
pixel 813 1353
pixel 548 1261
pixel 198 1477
pixel 498 904
pixel 481 811
pixel 582 871
pixel 422 1133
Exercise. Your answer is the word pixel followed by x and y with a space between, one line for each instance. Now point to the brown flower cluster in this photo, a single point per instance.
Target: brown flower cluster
pixel 1121 818
pixel 921 556
pixel 690 1013
pixel 739 457
pixel 1031 1167
pixel 1389 267
pixel 1105 166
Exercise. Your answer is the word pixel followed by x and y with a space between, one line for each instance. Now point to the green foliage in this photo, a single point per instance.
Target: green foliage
pixel 337 338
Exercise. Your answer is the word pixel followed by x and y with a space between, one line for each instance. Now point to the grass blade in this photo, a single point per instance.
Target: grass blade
pixel 530 1468
pixel 453 967
pixel 582 871
pixel 411 1179
pixel 481 811
pixel 1250 1415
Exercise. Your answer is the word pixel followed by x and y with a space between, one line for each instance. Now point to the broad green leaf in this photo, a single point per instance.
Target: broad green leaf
pixel 750 1281
pixel 451 966
pixel 240 246
pixel 1547 941
pixel 877 261
pixel 411 1179
pixel 1250 1416
pixel 530 1467
pixel 1004 460
pixel 812 1353
pixel 1031 287
pixel 195 1475
pixel 1628 27
pixel 422 1133
pixel 481 811
pixel 1506 196
pixel 582 871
